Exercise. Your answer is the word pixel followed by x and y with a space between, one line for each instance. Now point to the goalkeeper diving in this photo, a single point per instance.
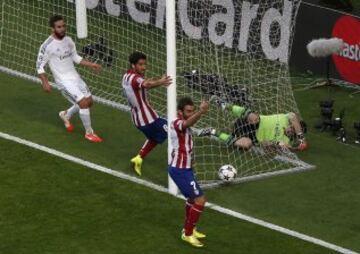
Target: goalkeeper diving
pixel 250 128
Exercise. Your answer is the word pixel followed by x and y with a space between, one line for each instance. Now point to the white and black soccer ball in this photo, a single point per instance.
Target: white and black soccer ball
pixel 227 173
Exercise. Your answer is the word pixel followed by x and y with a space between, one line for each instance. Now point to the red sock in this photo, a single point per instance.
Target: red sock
pixel 147 147
pixel 188 204
pixel 194 215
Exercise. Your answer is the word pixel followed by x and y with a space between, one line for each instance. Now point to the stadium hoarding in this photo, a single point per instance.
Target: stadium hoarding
pixel 230 22
pixel 226 23
pixel 314 22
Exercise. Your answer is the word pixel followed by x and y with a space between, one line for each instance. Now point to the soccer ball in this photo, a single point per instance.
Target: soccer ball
pixel 227 173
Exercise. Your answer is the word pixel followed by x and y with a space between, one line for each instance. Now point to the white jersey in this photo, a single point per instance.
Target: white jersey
pixel 61 55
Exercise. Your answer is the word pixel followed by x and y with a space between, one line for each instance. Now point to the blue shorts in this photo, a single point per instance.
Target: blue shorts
pixel 186 182
pixel 155 131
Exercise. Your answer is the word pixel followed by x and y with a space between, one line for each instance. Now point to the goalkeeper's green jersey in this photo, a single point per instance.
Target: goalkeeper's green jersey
pixel 272 128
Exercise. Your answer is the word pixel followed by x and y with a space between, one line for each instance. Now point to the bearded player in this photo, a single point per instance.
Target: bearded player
pixel 181 167
pixel 60 52
pixel 143 115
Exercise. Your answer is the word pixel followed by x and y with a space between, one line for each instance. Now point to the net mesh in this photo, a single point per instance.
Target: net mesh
pixel 235 50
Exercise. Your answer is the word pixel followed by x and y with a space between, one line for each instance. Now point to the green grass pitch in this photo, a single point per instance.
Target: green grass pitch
pixel 25 28
pixel 49 205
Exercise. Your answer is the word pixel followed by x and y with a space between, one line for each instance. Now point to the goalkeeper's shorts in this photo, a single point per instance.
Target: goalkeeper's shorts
pixel 243 129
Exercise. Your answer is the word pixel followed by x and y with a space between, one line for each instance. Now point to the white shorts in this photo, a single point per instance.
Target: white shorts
pixel 75 90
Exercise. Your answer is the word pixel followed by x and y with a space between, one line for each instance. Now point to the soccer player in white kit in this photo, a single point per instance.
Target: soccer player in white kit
pixel 60 52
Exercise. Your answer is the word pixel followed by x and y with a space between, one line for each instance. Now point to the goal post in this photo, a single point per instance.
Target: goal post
pixel 82 33
pixel 236 50
pixel 81 19
pixel 171 71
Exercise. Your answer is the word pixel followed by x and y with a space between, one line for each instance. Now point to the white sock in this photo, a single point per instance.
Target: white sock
pixel 85 118
pixel 72 110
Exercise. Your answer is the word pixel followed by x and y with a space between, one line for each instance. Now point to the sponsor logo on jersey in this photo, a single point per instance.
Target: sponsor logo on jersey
pixel 67 54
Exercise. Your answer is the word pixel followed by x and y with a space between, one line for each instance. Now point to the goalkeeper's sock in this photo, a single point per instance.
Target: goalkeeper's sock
pixel 146 148
pixel 238 111
pixel 226 138
pixel 193 217
pixel 85 118
pixel 72 110
pixel 223 136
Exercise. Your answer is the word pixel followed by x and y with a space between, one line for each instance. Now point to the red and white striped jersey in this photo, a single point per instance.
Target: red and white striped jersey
pixel 141 111
pixel 182 145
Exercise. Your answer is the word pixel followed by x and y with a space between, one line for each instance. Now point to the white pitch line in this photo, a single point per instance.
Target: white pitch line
pixel 160 188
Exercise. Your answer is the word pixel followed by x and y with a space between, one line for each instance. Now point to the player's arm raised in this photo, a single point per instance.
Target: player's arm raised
pixel 152 83
pixel 83 62
pixel 94 66
pixel 42 60
pixel 203 109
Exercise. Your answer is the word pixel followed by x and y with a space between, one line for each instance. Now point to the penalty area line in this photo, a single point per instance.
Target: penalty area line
pixel 160 188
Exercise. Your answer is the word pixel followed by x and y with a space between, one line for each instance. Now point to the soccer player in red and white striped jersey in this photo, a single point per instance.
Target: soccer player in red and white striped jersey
pixel 181 169
pixel 143 115
pixel 182 144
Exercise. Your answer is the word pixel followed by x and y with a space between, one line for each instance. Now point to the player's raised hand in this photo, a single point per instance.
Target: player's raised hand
pixel 46 87
pixel 94 66
pixel 204 107
pixel 165 80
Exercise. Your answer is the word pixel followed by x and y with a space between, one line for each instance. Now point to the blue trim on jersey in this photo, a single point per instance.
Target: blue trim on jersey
pixel 186 182
pixel 155 131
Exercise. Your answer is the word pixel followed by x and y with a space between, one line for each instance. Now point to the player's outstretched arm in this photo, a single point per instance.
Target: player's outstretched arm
pixel 192 120
pixel 295 122
pixel 83 62
pixel 152 83
pixel 94 66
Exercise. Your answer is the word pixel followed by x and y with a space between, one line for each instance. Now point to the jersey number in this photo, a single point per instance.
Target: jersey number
pixel 196 191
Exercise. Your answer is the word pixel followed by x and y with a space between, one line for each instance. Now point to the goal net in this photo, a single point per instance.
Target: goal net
pixel 237 51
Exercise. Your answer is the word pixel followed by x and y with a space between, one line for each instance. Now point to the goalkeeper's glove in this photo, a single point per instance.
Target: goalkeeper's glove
pixel 206 132
pixel 303 146
pixel 302 142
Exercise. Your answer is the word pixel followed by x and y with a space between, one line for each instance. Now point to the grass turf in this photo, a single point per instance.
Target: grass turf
pixel 49 205
pixel 319 203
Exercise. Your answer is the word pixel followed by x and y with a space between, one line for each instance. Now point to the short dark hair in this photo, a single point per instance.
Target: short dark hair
pixel 136 56
pixel 54 19
pixel 183 102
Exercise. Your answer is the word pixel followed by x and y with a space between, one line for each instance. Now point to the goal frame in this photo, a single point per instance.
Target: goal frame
pixel 81 25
